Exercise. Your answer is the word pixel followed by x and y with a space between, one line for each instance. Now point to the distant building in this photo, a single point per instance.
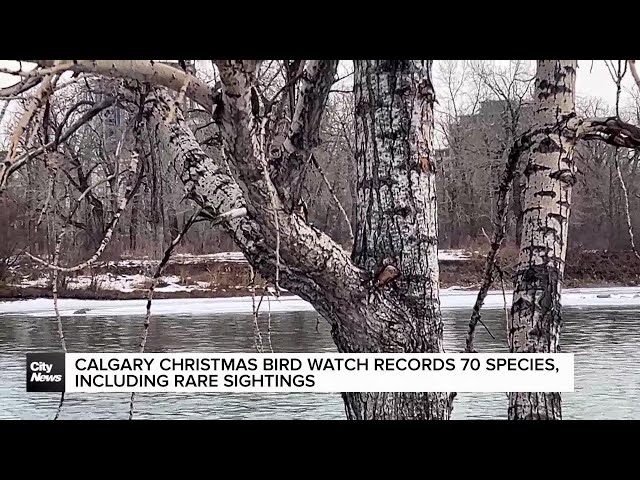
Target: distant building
pixel 487 129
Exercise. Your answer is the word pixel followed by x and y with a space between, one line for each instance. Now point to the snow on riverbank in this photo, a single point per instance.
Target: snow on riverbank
pixel 450 255
pixel 130 282
pixel 120 283
pixel 238 257
pixel 452 298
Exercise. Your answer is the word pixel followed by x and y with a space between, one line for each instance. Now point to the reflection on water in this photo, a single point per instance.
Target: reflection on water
pixel 605 342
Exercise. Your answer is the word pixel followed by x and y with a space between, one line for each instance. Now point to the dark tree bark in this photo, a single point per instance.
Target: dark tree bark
pixel 396 226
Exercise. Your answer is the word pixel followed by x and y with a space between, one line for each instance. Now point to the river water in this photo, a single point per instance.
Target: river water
pixel 606 343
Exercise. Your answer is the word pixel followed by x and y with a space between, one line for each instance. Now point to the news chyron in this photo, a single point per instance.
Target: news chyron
pixel 45 372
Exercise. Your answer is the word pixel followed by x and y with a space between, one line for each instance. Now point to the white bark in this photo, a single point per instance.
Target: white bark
pixel 146 71
pixel 536 320
pixel 397 218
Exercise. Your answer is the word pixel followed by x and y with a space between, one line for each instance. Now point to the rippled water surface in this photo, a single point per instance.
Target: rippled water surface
pixel 606 344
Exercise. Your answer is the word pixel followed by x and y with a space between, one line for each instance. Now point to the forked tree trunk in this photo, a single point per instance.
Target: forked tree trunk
pixel 366 314
pixel 396 227
pixel 535 321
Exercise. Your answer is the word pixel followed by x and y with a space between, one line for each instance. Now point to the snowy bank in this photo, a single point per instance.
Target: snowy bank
pixel 131 282
pixel 451 298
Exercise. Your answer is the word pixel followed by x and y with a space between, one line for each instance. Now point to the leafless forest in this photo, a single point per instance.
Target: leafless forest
pixel 478 116
pixel 337 181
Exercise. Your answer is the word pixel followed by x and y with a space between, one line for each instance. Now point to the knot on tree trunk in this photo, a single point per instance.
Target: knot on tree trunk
pixel 385 276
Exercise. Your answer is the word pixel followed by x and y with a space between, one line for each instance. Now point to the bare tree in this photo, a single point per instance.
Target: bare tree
pixel 536 320
pixel 247 169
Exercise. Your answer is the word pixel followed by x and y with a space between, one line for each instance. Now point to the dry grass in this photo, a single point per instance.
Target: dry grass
pixel 232 279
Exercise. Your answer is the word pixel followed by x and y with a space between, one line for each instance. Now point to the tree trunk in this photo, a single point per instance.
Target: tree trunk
pixel 396 228
pixel 365 315
pixel 535 321
pixel 133 224
pixel 516 202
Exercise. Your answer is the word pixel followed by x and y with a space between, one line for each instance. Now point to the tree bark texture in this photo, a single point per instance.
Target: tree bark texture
pixel 535 321
pixel 396 228
pixel 383 297
pixel 365 315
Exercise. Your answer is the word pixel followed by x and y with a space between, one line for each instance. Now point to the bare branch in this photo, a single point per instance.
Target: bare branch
pixel 634 72
pixel 269 322
pixel 39 99
pixel 63 343
pixel 302 247
pixel 626 206
pixel 147 71
pixel 257 336
pixel 129 190
pixel 499 231
pixel 5 173
pixel 611 130
pixel 314 160
pixel 20 87
pixel 304 131
pixel 154 282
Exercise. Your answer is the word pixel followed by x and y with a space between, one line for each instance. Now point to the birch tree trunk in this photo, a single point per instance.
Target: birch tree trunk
pixel 535 321
pixel 396 227
pixel 383 297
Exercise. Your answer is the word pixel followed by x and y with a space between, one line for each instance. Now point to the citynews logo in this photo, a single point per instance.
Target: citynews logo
pixel 45 372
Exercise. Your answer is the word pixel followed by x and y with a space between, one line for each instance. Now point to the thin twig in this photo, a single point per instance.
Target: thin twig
pixel 257 336
pixel 626 205
pixel 618 82
pixel 269 322
pixel 154 282
pixel 314 160
pixel 273 196
pixel 63 343
pixel 504 294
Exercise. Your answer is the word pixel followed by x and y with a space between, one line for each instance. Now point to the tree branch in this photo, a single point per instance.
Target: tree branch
pixel 17 163
pixel 308 256
pixel 130 188
pixel 521 145
pixel 304 132
pixel 634 72
pixel 146 71
pixel 154 282
pixel 610 130
pixel 37 101
pixel 20 87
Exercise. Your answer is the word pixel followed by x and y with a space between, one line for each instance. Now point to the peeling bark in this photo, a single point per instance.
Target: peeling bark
pixel 397 216
pixel 536 320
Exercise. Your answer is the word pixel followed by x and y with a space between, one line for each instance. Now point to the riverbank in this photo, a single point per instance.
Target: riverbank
pixel 227 275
